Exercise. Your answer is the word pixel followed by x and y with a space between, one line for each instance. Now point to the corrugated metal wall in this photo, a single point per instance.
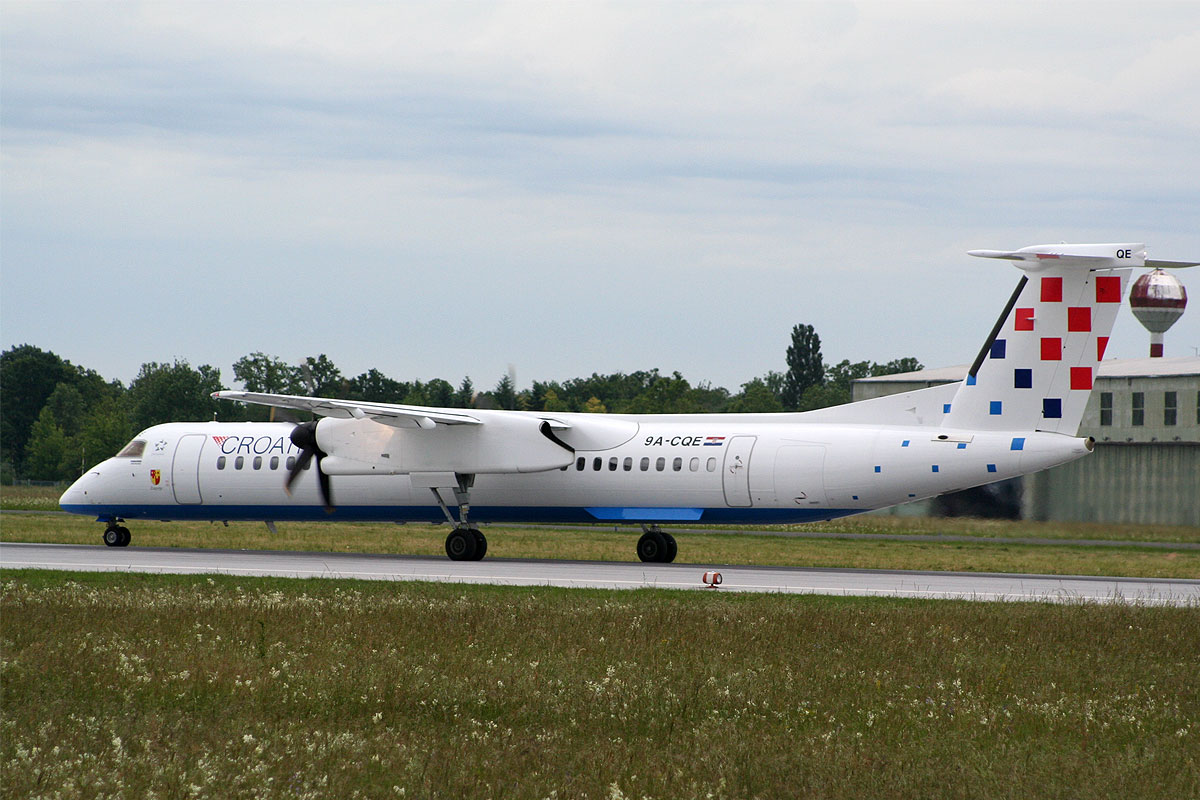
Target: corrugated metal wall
pixel 1156 484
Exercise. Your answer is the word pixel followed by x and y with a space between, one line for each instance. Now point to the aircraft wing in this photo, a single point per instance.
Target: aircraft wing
pixel 397 416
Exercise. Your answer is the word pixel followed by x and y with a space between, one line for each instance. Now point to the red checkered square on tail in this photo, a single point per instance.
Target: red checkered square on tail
pixel 1053 336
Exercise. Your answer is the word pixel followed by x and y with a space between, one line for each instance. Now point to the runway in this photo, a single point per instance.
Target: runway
pixel 602 575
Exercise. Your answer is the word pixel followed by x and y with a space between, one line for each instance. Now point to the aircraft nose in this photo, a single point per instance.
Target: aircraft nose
pixel 77 493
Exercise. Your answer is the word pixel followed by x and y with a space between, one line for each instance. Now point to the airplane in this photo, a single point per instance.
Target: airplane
pixel 1017 411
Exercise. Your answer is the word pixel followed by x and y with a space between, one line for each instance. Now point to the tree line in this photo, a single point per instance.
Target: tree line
pixel 58 418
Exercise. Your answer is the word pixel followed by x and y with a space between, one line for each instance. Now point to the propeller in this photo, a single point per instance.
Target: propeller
pixel 304 436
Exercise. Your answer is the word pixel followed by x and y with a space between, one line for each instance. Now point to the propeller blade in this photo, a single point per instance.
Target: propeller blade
pixel 304 436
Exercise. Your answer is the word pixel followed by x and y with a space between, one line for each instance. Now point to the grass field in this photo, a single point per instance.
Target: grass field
pixel 187 686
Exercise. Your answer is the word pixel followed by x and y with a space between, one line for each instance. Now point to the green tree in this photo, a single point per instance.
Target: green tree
pixel 102 433
pixel 68 406
pixel 260 372
pixel 46 447
pixel 805 367
pixel 896 365
pixel 505 393
pixel 439 393
pixel 665 395
pixel 465 396
pixel 373 385
pixel 550 402
pixel 28 376
pixel 173 393
pixel 756 397
pixel 321 378
pixel 594 406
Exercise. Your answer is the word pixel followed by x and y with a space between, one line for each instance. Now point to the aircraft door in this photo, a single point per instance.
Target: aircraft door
pixel 185 469
pixel 737 471
pixel 800 475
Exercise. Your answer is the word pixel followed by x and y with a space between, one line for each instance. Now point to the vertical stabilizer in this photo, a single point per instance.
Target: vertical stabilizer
pixel 1036 370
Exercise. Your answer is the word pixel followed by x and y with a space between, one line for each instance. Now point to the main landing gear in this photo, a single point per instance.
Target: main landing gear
pixel 464 543
pixel 657 546
pixel 116 535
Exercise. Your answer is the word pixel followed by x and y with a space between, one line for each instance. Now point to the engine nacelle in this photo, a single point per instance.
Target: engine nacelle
pixel 505 443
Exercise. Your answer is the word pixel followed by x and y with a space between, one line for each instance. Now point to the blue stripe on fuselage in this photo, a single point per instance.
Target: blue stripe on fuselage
pixel 482 514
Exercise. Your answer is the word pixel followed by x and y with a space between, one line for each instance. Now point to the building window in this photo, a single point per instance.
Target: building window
pixel 1169 408
pixel 1139 408
pixel 1106 408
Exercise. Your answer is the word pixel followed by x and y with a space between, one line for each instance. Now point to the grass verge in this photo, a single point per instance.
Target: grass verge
pixel 189 686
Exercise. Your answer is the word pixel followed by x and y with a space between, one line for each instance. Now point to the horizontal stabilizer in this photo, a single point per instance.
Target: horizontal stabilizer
pixel 1091 256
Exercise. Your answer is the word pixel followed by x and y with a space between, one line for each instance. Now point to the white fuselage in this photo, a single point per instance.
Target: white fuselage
pixel 735 469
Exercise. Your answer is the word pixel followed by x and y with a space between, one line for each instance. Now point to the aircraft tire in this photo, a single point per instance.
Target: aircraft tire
pixel 672 548
pixel 112 536
pixel 480 544
pixel 461 545
pixel 652 547
pixel 126 536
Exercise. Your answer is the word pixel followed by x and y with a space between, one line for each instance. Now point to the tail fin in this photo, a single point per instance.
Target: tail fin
pixel 1035 371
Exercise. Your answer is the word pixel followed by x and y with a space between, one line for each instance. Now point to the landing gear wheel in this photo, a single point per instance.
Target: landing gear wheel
pixel 112 536
pixel 461 545
pixel 480 544
pixel 672 548
pixel 125 536
pixel 653 547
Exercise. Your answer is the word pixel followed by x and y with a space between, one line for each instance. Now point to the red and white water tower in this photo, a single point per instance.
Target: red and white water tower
pixel 1157 299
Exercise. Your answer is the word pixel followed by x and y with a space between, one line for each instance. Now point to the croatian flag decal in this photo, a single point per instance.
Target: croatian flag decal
pixel 714 441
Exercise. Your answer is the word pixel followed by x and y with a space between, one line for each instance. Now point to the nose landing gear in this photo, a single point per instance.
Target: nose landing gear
pixel 116 535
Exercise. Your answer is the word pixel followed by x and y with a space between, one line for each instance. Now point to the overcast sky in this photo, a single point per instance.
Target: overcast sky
pixel 440 190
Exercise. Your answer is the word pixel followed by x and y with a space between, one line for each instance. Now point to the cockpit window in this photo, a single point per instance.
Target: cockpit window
pixel 133 450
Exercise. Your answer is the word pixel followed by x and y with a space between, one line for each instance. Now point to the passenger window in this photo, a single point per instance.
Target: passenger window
pixel 274 462
pixel 694 465
pixel 645 463
pixel 711 466
pixel 258 462
pixel 612 464
pixel 239 462
pixel 580 463
pixel 677 464
pixel 628 465
pixel 597 463
pixel 133 450
pixel 660 464
pixel 290 464
pixel 221 462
